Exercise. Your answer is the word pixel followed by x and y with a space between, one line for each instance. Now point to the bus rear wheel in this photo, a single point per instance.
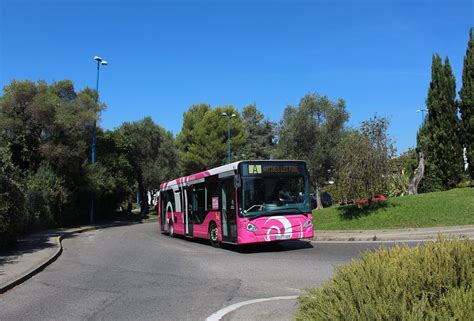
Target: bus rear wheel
pixel 214 235
pixel 171 230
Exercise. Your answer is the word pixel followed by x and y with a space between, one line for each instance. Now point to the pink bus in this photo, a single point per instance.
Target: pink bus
pixel 239 203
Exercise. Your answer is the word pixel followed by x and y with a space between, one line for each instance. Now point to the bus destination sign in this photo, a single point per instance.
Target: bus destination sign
pixel 273 169
pixel 277 169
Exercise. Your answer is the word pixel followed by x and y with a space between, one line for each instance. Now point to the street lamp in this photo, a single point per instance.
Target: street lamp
pixel 228 133
pixel 422 111
pixel 100 62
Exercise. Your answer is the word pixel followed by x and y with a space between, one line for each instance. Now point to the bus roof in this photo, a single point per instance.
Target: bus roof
pixel 214 171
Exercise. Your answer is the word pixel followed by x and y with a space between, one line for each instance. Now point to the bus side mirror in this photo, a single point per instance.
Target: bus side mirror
pixel 237 181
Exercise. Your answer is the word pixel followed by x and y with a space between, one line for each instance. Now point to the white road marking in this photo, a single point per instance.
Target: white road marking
pixel 222 312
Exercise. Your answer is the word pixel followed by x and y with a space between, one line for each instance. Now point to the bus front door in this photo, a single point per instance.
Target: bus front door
pixel 228 219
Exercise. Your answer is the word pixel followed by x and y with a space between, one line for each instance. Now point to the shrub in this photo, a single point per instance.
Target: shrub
pixel 466 184
pixel 45 197
pixel 12 211
pixel 334 191
pixel 398 185
pixel 431 281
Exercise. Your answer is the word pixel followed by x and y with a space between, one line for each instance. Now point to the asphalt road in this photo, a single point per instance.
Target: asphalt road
pixel 136 273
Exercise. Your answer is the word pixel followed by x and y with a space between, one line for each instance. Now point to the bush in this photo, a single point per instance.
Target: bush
pixel 334 191
pixel 45 197
pixel 466 184
pixel 12 211
pixel 398 185
pixel 431 281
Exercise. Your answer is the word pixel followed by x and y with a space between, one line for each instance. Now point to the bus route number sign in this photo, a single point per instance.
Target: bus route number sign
pixel 255 169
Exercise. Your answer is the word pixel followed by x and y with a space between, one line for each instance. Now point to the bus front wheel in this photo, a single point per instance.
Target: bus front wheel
pixel 213 235
pixel 171 230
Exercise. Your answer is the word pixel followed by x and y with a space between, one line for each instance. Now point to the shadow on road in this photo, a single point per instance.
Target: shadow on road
pixel 40 241
pixel 283 246
pixel 353 211
pixel 25 246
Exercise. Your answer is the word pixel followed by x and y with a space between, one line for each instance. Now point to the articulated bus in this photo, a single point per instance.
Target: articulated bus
pixel 239 203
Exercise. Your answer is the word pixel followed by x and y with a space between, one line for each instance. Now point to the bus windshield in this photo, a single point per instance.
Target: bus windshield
pixel 273 195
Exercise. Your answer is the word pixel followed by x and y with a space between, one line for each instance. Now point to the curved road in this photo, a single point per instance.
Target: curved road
pixel 135 273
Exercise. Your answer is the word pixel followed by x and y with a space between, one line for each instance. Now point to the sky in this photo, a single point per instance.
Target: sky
pixel 165 56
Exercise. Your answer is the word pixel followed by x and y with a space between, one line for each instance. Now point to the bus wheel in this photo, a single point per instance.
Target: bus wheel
pixel 213 235
pixel 171 232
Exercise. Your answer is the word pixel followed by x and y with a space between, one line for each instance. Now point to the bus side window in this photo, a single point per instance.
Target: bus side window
pixel 199 203
pixel 212 191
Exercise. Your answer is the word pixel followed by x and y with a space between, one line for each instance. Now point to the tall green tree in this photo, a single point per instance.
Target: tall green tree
pixel 363 162
pixel 47 130
pixel 191 118
pixel 439 137
pixel 466 104
pixel 354 162
pixel 152 154
pixel 311 132
pixel 260 134
pixel 203 138
pixel 112 177
pixel 21 104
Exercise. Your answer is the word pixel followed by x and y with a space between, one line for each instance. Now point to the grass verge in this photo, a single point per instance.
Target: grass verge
pixel 449 208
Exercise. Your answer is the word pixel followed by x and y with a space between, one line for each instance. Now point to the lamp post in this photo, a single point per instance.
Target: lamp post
pixel 422 111
pixel 228 133
pixel 100 62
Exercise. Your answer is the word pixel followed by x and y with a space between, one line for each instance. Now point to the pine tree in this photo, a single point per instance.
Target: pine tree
pixel 466 104
pixel 443 149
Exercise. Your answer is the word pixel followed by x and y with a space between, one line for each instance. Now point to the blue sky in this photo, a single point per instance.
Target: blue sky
pixel 167 55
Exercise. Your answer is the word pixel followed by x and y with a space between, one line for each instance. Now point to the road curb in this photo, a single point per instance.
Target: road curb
pixel 420 234
pixel 380 238
pixel 40 267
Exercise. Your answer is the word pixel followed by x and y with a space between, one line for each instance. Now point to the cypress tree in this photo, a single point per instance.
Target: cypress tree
pixel 443 149
pixel 431 181
pixel 466 104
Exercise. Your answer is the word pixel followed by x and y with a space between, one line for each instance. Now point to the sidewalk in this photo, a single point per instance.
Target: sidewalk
pixel 36 251
pixel 395 235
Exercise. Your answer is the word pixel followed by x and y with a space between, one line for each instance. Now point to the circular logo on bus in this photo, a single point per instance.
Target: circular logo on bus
pixel 278 228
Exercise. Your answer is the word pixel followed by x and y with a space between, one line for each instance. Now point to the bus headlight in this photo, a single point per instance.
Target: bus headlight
pixel 252 228
pixel 308 223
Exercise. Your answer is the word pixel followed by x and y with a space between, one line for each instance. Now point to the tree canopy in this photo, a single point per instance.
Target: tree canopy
pixel 45 131
pixel 152 154
pixel 439 139
pixel 260 134
pixel 363 163
pixel 203 139
pixel 311 132
pixel 466 103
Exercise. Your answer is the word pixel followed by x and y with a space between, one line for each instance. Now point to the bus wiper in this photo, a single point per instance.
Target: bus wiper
pixel 293 208
pixel 259 215
pixel 277 212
